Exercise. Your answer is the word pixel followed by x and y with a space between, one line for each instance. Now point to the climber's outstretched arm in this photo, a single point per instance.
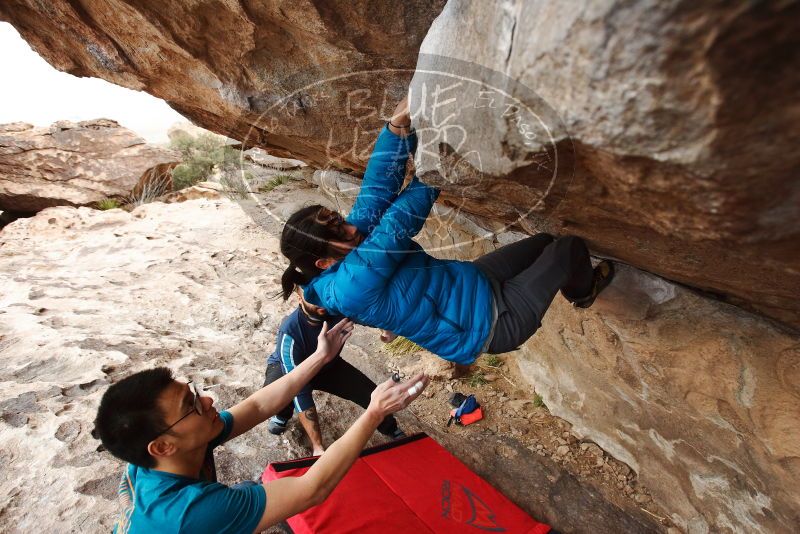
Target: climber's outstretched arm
pixel 385 172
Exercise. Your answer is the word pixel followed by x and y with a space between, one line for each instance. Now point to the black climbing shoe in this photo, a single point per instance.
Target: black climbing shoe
pixel 603 274
pixel 276 426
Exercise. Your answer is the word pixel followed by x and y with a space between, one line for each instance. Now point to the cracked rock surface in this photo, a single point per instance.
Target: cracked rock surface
pixel 661 132
pixel 72 164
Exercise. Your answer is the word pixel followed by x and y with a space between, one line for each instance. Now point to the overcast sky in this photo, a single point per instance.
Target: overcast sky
pixel 33 91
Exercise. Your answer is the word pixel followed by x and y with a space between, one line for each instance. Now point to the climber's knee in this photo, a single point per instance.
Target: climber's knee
pixel 543 238
pixel 571 249
pixel 568 243
pixel 572 242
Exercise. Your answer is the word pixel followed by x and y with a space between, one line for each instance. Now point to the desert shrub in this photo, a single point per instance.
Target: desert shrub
pixel 108 204
pixel 401 345
pixel 199 156
pixel 275 182
pixel 236 183
pixel 493 361
pixel 476 378
pixel 154 182
pixel 187 174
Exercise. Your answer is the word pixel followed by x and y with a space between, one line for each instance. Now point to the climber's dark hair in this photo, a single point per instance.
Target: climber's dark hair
pixel 129 417
pixel 304 240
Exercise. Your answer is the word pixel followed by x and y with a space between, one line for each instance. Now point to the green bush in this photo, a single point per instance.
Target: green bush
pixel 187 174
pixel 275 182
pixel 199 156
pixel 401 345
pixel 476 378
pixel 493 361
pixel 108 204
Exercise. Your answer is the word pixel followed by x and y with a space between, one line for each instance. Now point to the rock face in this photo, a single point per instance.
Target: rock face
pixel 698 397
pixel 673 125
pixel 66 275
pixel 73 164
pixel 679 165
pixel 259 157
pixel 680 116
pixel 227 65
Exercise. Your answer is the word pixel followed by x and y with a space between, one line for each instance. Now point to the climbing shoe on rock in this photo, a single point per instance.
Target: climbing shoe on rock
pixel 276 426
pixel 603 274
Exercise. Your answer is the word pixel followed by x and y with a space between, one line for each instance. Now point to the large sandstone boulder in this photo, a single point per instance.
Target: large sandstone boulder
pixel 246 70
pixel 75 164
pixel 673 124
pixel 663 132
pixel 681 115
pixel 698 397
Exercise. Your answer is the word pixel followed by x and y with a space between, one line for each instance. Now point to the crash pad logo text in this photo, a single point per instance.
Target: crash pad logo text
pixel 460 504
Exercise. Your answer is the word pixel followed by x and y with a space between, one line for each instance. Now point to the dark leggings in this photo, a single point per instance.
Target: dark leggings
pixel 337 378
pixel 527 275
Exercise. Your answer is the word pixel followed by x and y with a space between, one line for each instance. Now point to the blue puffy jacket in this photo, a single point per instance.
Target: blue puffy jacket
pixel 389 282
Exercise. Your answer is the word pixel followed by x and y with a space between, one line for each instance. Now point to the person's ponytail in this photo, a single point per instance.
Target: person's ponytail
pixel 290 279
pixel 304 240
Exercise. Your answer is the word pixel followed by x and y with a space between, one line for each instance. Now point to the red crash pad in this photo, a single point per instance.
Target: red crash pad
pixel 410 485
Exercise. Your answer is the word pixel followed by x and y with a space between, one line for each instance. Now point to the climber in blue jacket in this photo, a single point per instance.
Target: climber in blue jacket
pixel 368 268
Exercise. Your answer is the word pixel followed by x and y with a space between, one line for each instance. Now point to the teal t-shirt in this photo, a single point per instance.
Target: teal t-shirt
pixel 155 501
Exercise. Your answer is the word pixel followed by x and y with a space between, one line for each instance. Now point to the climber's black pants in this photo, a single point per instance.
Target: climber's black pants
pixel 526 276
pixel 338 378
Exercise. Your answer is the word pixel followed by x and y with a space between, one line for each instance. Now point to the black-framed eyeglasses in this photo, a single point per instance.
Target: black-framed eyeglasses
pixel 197 406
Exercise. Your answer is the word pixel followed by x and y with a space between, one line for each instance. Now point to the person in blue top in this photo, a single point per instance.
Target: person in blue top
pixel 167 431
pixel 297 340
pixel 368 268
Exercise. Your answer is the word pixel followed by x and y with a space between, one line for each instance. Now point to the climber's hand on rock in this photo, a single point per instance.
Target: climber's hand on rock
pixel 402 115
pixel 400 122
